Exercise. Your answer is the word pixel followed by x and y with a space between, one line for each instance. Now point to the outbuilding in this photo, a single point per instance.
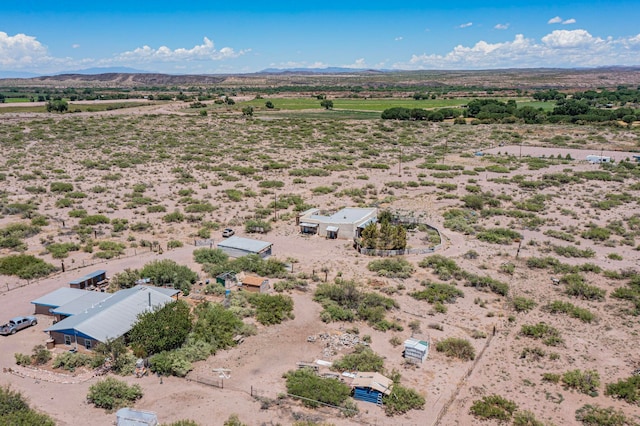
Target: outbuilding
pixel 596 159
pixel 255 284
pixel 238 247
pixel 371 387
pixel 89 280
pixel 416 350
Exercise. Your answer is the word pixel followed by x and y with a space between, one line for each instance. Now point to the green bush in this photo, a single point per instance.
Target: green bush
pixel 70 361
pixel 363 358
pixel 493 407
pixel 401 400
pixel 96 219
pixel 176 216
pixel 454 347
pixel 550 335
pixel 306 384
pixel 25 266
pixel 558 306
pixel 438 293
pixel 496 286
pixel 443 267
pixel 163 329
pixel 171 363
pixel 499 236
pixel 593 415
pixel 586 382
pixel 260 226
pixel 522 304
pixel 61 187
pixel 112 394
pixel 167 272
pixel 271 309
pixel 206 255
pixel 61 250
pixel 525 418
pixel 14 410
pixel 391 267
pixel 172 244
pixel 627 389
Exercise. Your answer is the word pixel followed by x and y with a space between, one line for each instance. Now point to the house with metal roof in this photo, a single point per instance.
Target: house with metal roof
pixel 110 318
pixel 46 304
pixel 238 247
pixel 347 223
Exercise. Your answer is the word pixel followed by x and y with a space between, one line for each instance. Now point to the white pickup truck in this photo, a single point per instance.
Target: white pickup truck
pixel 17 324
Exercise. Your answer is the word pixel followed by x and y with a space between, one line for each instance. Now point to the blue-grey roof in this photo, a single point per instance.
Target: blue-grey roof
pixel 114 316
pixel 245 244
pixel 346 215
pixel 88 276
pixel 82 303
pixel 60 297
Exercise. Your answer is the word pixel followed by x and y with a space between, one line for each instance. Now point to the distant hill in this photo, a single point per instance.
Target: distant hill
pixel 17 74
pixel 105 70
pixel 328 70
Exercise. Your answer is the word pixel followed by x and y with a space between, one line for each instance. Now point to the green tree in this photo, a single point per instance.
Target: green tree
pixel 247 111
pixel 163 272
pixel 387 233
pixel 370 236
pixel 216 325
pixel 327 104
pixel 163 329
pixel 111 394
pixel 269 105
pixel 57 106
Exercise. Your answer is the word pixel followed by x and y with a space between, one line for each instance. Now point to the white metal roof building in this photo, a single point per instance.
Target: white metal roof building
pixel 112 317
pixel 238 247
pixel 346 223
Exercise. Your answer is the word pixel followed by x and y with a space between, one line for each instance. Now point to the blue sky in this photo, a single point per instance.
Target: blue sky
pixel 247 36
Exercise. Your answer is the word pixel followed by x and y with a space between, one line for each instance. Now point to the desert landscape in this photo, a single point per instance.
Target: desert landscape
pixel 533 270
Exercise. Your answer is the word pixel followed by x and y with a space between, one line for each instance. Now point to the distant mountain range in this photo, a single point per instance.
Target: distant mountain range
pixel 328 70
pixel 88 71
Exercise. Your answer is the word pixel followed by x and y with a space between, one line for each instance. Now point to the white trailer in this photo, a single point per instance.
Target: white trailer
pixel 597 159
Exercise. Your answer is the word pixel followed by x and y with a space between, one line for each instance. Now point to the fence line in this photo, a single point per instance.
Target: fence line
pixel 463 380
pixel 205 242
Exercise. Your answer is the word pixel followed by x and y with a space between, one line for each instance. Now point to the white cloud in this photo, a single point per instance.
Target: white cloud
pixel 468 24
pixel 75 46
pixel 560 48
pixel 501 27
pixel 21 51
pixel 203 52
pixel 293 64
pixel 559 20
pixel 359 63
pixel 398 38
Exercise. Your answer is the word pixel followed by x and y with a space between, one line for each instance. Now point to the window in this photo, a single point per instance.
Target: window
pixel 87 343
pixel 67 340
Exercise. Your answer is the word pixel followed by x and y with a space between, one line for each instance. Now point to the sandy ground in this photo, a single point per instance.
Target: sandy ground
pixel 256 366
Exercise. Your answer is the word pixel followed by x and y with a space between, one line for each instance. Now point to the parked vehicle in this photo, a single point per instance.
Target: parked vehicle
pixel 16 324
pixel 228 232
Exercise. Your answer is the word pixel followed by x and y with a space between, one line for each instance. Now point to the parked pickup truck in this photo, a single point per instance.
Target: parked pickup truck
pixel 17 324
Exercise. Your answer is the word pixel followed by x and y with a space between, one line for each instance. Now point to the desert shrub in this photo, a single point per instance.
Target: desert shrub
pixel 271 184
pixel 551 377
pixel 199 208
pixel 80 213
pixel 363 358
pixel 573 251
pixel 206 255
pixel 558 306
pixel 172 244
pixel 120 225
pixel 40 355
pixel 576 287
pixel 586 382
pixel 493 407
pixel 64 202
pixel 443 267
pixel 499 236
pixel 438 292
pixel 95 219
pixel 140 226
pixel 481 282
pixel 271 309
pixel 216 326
pixel 456 348
pixel 627 389
pixel 560 235
pixel 597 233
pixel 22 359
pixel 401 400
pixel 391 267
pixel 306 384
pixel 593 415
pixel 550 335
pixel 15 410
pixel 111 394
pixel 523 304
pixel 25 266
pixel 525 418
pixel 176 216
pixel 61 187
pixel 170 363
pixel 70 361
pixel 260 226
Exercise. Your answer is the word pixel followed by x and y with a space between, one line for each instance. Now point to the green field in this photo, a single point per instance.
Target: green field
pixel 100 106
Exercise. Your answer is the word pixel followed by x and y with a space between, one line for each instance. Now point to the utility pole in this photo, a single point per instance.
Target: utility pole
pixel 275 205
pixel 400 161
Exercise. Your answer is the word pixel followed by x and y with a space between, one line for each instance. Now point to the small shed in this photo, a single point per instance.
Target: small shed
pixel 308 228
pixel 416 350
pixel 371 387
pixel 89 280
pixel 255 284
pixel 132 417
pixel 227 279
pixel 238 247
